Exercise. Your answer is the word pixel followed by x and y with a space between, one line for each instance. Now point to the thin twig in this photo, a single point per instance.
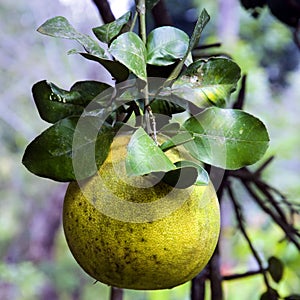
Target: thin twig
pixel 242 275
pixel 288 229
pixel 240 219
pixel 208 46
pixel 252 181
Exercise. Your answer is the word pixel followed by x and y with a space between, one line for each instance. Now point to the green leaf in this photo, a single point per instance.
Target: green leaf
pixel 142 147
pixel 52 106
pixel 54 103
pixel 165 45
pixel 201 23
pixel 292 297
pixel 208 82
pixel 151 3
pixel 170 129
pixel 275 268
pixel 61 28
pixel 182 177
pixel 130 50
pixel 165 107
pixel 226 138
pixel 203 19
pixel 180 138
pixel 89 90
pixel 51 154
pixel 115 68
pixel 186 174
pixel 107 32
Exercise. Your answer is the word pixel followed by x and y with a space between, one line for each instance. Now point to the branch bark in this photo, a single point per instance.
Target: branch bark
pixel 116 293
pixel 104 11
pixel 215 276
pixel 198 285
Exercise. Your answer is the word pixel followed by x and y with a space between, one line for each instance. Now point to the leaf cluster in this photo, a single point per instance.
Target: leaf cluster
pixel 86 118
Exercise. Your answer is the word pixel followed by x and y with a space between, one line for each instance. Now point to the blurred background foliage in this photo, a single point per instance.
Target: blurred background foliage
pixel 35 263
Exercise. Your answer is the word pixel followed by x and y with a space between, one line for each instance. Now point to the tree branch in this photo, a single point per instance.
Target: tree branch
pixel 116 293
pixel 215 276
pixel 104 11
pixel 198 285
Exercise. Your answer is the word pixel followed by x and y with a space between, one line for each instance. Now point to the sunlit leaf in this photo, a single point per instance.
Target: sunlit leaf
pixel 107 32
pixel 165 45
pixel 208 82
pixel 61 28
pixel 130 50
pixel 226 138
pixel 142 147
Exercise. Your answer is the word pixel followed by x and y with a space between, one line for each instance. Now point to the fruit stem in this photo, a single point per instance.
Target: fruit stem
pixel 141 9
pixel 149 117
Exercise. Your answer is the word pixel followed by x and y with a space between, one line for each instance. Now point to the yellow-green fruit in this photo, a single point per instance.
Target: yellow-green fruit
pixel 129 234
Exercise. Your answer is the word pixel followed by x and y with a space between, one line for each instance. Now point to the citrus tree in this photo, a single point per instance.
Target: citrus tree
pixel 148 156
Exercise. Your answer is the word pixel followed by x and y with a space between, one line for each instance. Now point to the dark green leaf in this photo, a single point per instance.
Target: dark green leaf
pixel 130 50
pixel 186 174
pixel 165 45
pixel 180 138
pixel 270 294
pixel 89 90
pixel 208 82
pixel 107 32
pixel 50 154
pixel 115 68
pixel 170 129
pixel 201 23
pixel 151 3
pixel 140 148
pixel 51 106
pixel 54 103
pixel 182 177
pixel 165 107
pixel 292 297
pixel 61 28
pixel 53 152
pixel 226 138
pixel 275 268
